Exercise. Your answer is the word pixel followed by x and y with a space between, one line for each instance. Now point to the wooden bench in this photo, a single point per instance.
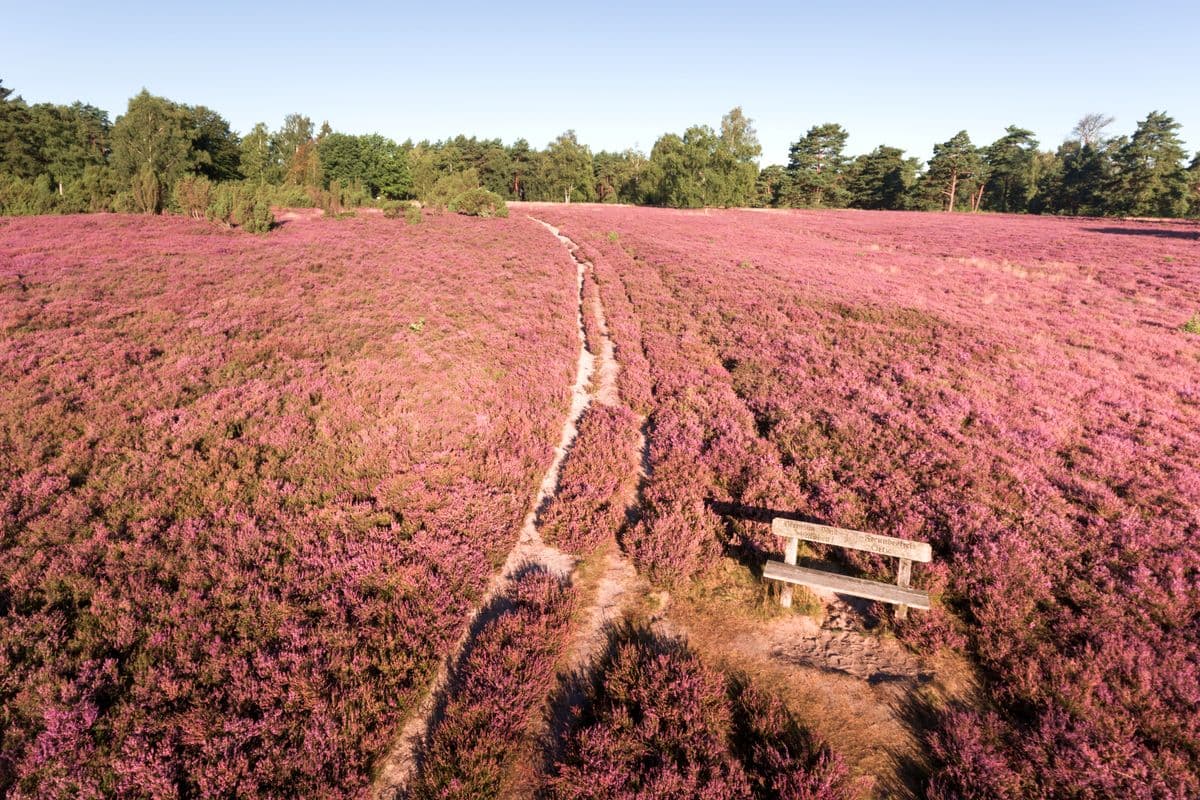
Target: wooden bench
pixel 898 593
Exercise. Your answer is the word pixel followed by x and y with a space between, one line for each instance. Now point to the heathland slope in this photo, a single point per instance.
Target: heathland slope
pixel 1021 392
pixel 253 490
pixel 250 487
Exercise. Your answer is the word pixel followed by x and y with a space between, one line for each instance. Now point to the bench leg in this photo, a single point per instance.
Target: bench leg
pixel 790 551
pixel 903 578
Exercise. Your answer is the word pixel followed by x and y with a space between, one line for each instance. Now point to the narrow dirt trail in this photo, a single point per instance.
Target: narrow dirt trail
pixel 594 382
pixel 618 584
pixel 396 769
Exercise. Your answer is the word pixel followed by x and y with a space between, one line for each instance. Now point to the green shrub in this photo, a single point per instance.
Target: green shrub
pixel 448 187
pixel 394 209
pixel 328 200
pixel 356 195
pixel 193 196
pixel 147 192
pixel 260 219
pixel 338 197
pixel 22 198
pixel 242 204
pixel 95 190
pixel 479 202
pixel 1193 324
pixel 220 206
pixel 123 202
pixel 289 195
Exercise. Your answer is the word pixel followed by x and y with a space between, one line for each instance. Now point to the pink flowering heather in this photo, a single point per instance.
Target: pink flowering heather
pixel 591 321
pixel 496 690
pixel 596 482
pixel 251 486
pixel 783 760
pixel 655 722
pixel 703 443
pixel 1017 391
pixel 625 330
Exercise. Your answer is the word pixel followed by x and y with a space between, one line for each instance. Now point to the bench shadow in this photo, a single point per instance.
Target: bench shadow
pixel 1163 233
pixel 757 725
pixel 758 513
pixel 913 770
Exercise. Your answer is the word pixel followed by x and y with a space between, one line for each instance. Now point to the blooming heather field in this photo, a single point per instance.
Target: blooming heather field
pixel 250 487
pixel 1017 391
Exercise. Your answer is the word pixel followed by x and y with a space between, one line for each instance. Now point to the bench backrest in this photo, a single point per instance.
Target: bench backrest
pixel 858 540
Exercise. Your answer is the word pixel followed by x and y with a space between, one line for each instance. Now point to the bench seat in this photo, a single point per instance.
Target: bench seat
pixel 844 584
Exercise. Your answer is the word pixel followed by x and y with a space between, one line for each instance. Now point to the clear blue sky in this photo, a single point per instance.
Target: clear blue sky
pixel 623 73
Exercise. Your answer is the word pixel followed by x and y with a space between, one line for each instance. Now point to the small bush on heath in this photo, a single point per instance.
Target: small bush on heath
pixel 479 202
pixel 193 195
pixel 242 205
pixel 448 187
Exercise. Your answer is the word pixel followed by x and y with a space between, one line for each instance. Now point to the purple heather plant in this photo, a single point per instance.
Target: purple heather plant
pixel 496 690
pixel 656 723
pixel 596 482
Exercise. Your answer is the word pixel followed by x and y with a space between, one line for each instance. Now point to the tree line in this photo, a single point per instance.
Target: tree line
pixel 164 155
pixel 1145 175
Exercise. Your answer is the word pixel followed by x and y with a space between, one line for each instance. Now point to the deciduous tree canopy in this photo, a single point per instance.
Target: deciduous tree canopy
pixel 70 158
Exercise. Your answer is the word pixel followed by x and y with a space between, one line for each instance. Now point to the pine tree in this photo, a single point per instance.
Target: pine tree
pixel 1151 180
pixel 816 168
pixel 1194 187
pixel 522 162
pixel 1084 178
pixel 69 139
pixel 956 171
pixel 18 147
pixel 216 147
pixel 1009 161
pixel 769 186
pixel 880 179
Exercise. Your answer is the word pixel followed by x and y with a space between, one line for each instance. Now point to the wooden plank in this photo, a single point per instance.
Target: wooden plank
pixel 844 584
pixel 872 542
pixel 903 578
pixel 790 551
